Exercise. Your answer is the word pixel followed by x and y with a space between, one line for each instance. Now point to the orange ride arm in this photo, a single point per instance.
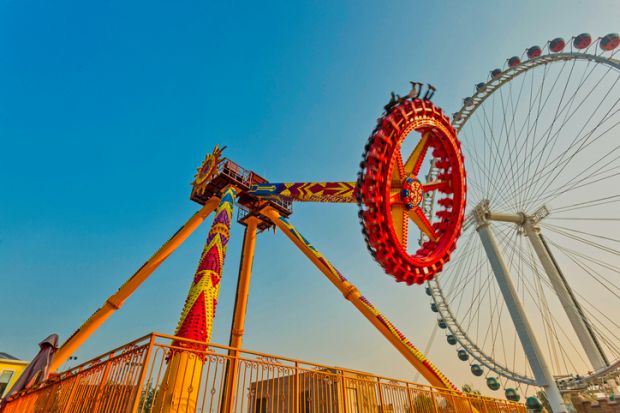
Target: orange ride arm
pixel 117 299
pixel 306 191
pixel 351 293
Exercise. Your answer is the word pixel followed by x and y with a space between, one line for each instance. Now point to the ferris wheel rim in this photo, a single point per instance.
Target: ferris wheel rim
pixel 468 344
pixel 460 118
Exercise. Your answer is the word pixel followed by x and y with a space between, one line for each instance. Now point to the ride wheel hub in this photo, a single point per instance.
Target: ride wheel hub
pixel 411 195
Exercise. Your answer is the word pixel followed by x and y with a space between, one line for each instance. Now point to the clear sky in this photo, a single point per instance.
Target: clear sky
pixel 107 108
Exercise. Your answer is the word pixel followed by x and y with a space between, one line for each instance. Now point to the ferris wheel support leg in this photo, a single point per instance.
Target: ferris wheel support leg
pixel 351 293
pixel 542 373
pixel 115 301
pixel 575 314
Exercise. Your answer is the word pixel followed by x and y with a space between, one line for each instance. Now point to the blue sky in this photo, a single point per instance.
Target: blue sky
pixel 107 108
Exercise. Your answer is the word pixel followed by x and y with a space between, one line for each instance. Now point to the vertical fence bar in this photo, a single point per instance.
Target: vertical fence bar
pixel 75 382
pixel 434 400
pixel 380 395
pixel 145 363
pixel 296 390
pixel 344 391
pixel 104 378
pixel 409 398
pixel 471 408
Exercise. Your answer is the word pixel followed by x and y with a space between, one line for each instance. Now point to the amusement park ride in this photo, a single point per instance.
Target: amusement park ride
pixel 392 194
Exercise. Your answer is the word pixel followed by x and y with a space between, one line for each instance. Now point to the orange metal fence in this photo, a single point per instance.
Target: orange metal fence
pixel 129 378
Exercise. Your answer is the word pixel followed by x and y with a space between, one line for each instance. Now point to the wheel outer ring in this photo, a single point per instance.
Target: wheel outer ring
pixel 375 179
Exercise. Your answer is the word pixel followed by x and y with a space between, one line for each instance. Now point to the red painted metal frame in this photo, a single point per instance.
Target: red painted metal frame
pixel 382 155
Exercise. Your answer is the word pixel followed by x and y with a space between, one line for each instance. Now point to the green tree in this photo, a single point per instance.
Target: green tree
pixel 146 400
pixel 468 388
pixel 423 404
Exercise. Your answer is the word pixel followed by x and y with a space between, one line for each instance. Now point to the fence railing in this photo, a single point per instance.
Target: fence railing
pixel 141 377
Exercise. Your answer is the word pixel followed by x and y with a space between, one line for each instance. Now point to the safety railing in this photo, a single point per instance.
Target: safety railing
pixel 146 376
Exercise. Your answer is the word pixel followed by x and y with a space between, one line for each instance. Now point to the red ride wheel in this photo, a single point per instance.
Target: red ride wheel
pixel 390 192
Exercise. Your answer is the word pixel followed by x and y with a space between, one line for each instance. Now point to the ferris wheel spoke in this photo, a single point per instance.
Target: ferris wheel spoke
pixel 540 106
pixel 576 182
pixel 555 345
pixel 594 177
pixel 477 288
pixel 455 290
pixel 551 321
pixel 574 255
pixel 455 286
pixel 568 114
pixel 512 129
pixel 588 270
pixel 414 161
pixel 594 310
pixel 489 159
pixel 546 147
pixel 493 181
pixel 561 228
pixel 589 204
pixel 587 241
pixel 457 263
pixel 508 145
pixel 552 166
pixel 495 155
pixel 481 165
pixel 583 143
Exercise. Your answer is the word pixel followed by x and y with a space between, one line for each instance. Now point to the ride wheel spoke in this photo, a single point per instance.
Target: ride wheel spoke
pixel 432 186
pixel 414 162
pixel 399 219
pixel 395 198
pixel 398 171
pixel 417 216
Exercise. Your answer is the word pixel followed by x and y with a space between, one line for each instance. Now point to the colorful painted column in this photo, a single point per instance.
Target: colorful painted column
pixel 180 386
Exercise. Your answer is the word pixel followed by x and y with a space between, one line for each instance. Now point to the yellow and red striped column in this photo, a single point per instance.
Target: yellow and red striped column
pixel 180 387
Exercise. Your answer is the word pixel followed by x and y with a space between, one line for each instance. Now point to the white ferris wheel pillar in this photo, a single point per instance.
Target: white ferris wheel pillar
pixel 571 306
pixel 542 373
pixel 575 315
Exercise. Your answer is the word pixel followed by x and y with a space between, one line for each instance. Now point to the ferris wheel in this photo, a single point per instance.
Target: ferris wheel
pixel 531 294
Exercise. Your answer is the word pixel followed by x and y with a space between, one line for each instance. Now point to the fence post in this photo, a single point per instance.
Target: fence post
pixel 296 389
pixel 411 409
pixel 380 394
pixel 343 386
pixel 471 408
pixel 138 395
pixel 104 377
pixel 433 400
pixel 75 382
